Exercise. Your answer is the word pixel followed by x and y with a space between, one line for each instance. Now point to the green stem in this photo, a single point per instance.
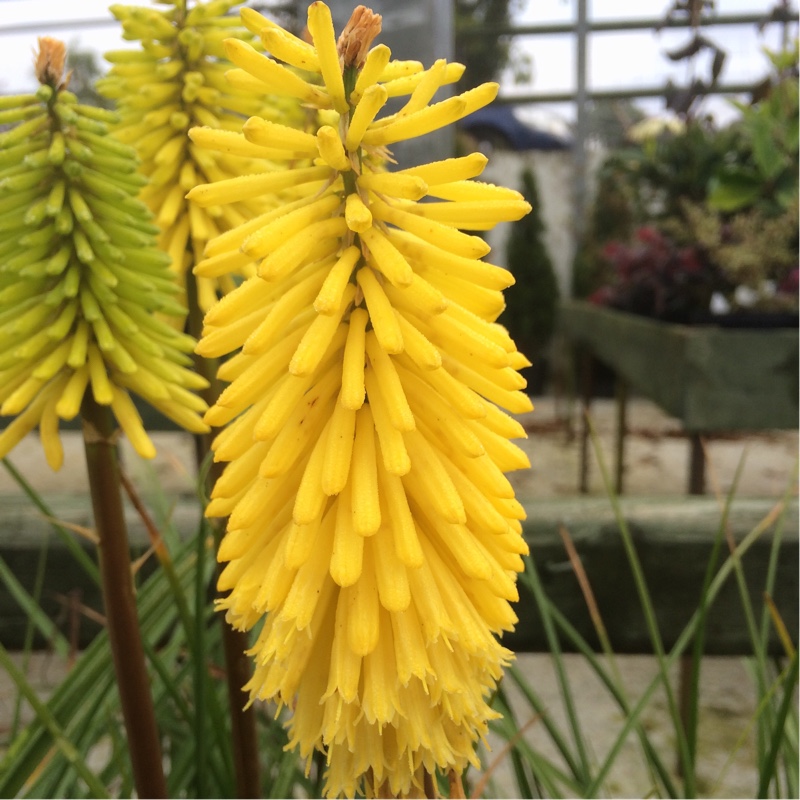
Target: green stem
pixel 99 429
pixel 244 733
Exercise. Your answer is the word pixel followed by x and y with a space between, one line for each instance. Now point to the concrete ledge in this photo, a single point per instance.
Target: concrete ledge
pixel 674 538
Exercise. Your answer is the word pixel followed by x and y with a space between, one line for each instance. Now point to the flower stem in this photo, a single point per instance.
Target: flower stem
pixel 235 643
pixel 99 429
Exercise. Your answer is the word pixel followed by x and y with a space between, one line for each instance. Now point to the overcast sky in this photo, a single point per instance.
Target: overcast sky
pixel 632 59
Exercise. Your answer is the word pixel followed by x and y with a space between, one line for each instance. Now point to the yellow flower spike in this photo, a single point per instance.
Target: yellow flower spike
pixel 174 82
pixel 82 291
pixel 362 405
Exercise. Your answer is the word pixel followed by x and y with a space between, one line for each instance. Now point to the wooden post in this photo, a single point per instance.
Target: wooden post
pixel 586 370
pixel 621 387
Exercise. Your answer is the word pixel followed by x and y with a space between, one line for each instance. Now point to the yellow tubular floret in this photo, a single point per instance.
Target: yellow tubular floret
pixel 374 66
pixel 390 384
pixel 320 26
pixel 248 186
pixel 336 464
pixel 353 362
pixel 449 170
pixel 128 417
pixel 370 104
pixel 381 315
pixel 274 135
pixel 289 48
pixel 392 446
pixel 357 215
pixel 385 257
pixel 331 148
pixel 330 295
pixel 364 499
pixel 408 187
pixel 276 78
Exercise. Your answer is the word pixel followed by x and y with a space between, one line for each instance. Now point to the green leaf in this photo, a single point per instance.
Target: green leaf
pixel 768 155
pixel 733 189
pixel 786 190
pixel 767 768
pixel 792 135
pixel 40 620
pixel 48 720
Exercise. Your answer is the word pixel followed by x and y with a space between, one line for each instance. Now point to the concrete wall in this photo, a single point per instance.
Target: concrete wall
pixel 554 177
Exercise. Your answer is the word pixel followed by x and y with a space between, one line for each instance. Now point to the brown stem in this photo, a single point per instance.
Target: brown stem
pixel 99 431
pixel 244 733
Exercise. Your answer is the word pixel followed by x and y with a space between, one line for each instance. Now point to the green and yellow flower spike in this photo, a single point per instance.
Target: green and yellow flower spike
pixel 370 518
pixel 176 81
pixel 81 278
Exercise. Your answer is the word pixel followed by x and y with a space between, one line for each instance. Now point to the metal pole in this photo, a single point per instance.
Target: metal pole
pixel 638 24
pixel 579 146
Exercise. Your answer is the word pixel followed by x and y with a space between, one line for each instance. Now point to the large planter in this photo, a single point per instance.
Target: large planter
pixel 710 377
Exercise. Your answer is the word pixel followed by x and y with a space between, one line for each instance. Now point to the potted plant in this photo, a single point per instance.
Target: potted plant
pixel 711 244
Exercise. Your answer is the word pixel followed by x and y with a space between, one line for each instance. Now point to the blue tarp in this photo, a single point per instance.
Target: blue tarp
pixel 500 119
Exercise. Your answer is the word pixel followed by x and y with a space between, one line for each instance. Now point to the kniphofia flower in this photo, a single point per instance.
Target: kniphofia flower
pixel 81 278
pixel 371 522
pixel 176 81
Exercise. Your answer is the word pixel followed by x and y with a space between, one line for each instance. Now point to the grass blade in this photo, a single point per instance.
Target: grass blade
pixel 767 769
pixel 646 604
pixel 683 641
pixel 47 719
pixel 77 552
pixel 36 616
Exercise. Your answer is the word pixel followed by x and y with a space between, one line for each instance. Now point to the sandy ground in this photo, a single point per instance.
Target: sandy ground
pixel 656 464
